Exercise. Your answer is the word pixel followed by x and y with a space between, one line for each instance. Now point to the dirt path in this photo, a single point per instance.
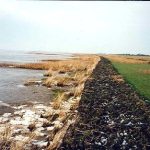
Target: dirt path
pixel 111 115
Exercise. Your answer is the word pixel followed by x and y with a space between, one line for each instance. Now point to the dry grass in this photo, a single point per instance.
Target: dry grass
pixel 59 99
pixel 6 134
pixel 57 102
pixel 37 66
pixel 81 67
pixel 81 77
pixel 71 73
pixel 8 143
pixel 59 81
pixel 129 59
pixel 6 65
pixel 78 90
pixel 118 78
pixel 76 64
pixel 145 71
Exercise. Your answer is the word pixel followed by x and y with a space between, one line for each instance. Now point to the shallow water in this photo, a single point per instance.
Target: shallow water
pixel 12 89
pixel 26 57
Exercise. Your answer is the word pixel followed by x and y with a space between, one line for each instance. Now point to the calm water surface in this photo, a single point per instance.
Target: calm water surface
pixel 25 57
pixel 12 89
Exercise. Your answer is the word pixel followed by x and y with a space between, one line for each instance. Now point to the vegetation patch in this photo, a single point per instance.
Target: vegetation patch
pixel 111 115
pixel 43 126
pixel 137 75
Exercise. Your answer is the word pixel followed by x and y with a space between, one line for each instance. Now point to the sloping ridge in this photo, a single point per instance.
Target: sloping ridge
pixel 110 115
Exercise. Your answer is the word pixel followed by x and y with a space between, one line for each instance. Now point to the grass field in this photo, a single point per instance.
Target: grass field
pixel 137 74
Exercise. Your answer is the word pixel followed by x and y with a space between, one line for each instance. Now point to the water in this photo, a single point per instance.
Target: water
pixel 12 89
pixel 12 80
pixel 26 57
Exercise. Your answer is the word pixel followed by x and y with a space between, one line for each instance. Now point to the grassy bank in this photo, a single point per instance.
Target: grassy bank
pixel 136 72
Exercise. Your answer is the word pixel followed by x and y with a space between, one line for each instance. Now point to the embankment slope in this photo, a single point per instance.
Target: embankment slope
pixel 110 115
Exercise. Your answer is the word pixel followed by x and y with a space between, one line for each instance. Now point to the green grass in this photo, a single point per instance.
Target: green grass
pixel 133 74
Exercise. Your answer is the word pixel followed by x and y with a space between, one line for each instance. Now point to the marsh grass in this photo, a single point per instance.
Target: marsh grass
pixel 129 59
pixel 66 79
pixel 5 136
pixel 58 100
pixel 59 81
pixel 78 63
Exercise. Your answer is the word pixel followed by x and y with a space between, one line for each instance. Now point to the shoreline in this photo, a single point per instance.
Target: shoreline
pixel 41 125
pixel 13 89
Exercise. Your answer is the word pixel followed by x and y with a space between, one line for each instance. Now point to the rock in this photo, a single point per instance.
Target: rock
pixel 28 112
pixel 39 133
pixel 16 131
pixel 21 138
pixel 6 115
pixel 42 120
pixel 39 124
pixel 3 120
pixel 124 142
pixel 18 113
pixel 40 143
pixel 40 129
pixel 15 120
pixel 104 140
pixel 50 128
pixel 57 122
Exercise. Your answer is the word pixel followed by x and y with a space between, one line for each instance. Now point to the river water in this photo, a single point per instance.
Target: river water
pixel 12 89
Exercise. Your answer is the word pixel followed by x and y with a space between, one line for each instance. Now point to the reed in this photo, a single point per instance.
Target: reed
pixel 67 75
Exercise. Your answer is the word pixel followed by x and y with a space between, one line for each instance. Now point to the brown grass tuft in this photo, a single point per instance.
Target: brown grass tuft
pixel 58 100
pixel 147 71
pixel 118 78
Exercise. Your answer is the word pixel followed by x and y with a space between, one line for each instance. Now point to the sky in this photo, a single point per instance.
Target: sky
pixel 75 26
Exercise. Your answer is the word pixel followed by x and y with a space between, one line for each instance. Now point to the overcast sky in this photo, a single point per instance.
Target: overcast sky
pixel 61 26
